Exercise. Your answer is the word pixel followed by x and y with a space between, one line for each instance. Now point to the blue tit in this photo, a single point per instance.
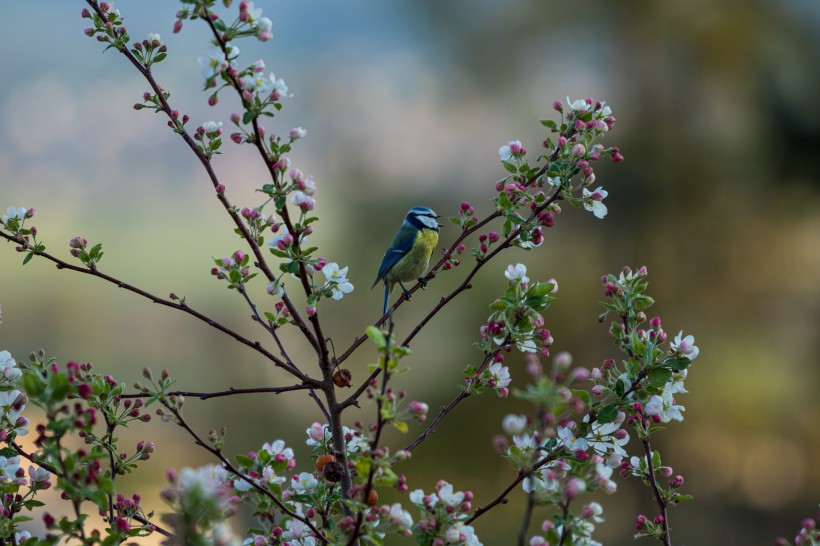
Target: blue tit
pixel 408 256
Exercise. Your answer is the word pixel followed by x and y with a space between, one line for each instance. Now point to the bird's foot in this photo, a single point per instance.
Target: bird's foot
pixel 423 283
pixel 406 291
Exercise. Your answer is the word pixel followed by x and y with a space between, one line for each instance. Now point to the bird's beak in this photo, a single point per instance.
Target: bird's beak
pixel 439 216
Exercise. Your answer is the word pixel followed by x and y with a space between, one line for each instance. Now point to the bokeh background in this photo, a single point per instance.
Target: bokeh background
pixel 406 104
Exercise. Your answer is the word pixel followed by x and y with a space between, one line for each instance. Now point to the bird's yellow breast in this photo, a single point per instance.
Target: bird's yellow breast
pixel 413 264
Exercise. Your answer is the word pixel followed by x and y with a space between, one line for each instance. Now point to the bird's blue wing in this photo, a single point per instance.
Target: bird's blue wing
pixel 401 245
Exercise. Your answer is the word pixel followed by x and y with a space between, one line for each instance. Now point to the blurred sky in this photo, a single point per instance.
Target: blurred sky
pixel 406 103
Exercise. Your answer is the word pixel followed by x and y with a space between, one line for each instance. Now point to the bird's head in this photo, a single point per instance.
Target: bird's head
pixel 422 217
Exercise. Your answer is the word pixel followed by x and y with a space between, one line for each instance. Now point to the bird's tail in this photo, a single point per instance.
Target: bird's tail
pixel 386 297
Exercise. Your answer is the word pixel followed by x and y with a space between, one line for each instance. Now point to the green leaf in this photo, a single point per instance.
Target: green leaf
pixel 682 498
pixel 28 258
pixel 499 305
pixel 160 57
pixel 244 460
pixel 401 426
pixel 583 395
pixel 550 124
pixel 609 412
pixel 659 377
pixel 59 386
pixel 656 459
pixel 376 336
pixel 677 364
pixel 510 167
pixel 542 288
pixel 642 302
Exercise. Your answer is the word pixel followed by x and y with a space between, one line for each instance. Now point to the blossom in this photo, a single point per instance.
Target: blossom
pixel 512 149
pixel 450 497
pixel 517 273
pixel 302 200
pixel 423 501
pixel 579 105
pixel 278 86
pixel 606 439
pixel 8 367
pixel 13 212
pixel 153 37
pixel 459 533
pixel 12 404
pixel 525 442
pixel 337 280
pixel 685 346
pixel 514 424
pixel 8 467
pixel 305 481
pixel 317 434
pixel 297 133
pixel 212 126
pixel 253 14
pixel 399 517
pixel 664 407
pixel 569 441
pixel 213 63
pixel 263 29
pixel 603 474
pixel 594 202
pixel 499 376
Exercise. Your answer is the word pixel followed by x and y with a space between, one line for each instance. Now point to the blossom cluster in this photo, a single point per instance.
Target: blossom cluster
pixel 442 516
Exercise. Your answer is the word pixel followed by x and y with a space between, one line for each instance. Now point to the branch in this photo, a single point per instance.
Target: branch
pixel 229 392
pixel 444 410
pixel 502 497
pixel 257 346
pixel 206 164
pixel 229 466
pixel 656 492
pixel 525 523
pixel 319 342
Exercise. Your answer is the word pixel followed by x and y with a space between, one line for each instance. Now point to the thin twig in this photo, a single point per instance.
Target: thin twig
pixel 667 541
pixel 184 307
pixel 525 523
pixel 231 468
pixel 229 392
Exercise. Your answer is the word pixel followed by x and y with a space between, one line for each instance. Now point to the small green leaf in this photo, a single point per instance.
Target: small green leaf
pixel 677 364
pixel 401 426
pixel 376 336
pixel 244 460
pixel 609 412
pixel 583 395
pixel 510 167
pixel 542 288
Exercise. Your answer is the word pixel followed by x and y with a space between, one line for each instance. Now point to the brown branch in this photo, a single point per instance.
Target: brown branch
pixel 257 346
pixel 229 392
pixel 501 498
pixel 231 468
pixel 667 541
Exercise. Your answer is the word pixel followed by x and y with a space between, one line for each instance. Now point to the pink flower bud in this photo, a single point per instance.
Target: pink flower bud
pixel 557 105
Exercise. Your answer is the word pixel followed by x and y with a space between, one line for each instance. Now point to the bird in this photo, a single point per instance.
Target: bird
pixel 409 253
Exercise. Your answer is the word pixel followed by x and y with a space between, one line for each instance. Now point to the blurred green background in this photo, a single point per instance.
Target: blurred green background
pixel 406 104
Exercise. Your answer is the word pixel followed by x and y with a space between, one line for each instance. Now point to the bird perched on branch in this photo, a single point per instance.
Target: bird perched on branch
pixel 408 256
